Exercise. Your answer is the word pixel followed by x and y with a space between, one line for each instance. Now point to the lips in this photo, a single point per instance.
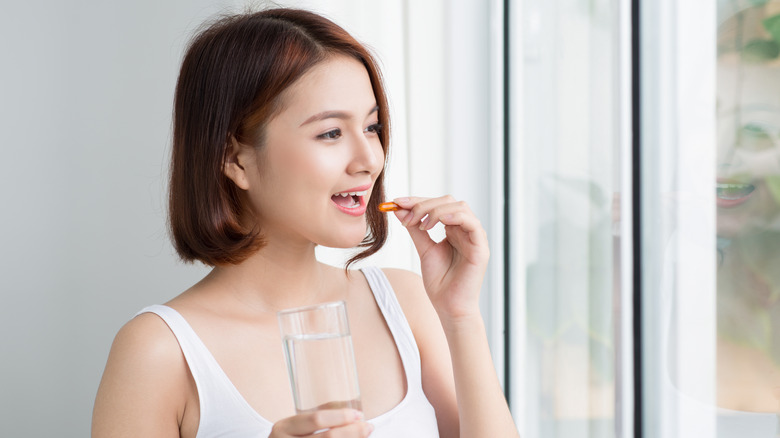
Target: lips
pixel 731 194
pixel 351 201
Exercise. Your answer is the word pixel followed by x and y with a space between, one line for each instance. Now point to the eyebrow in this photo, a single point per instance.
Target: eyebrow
pixel 334 115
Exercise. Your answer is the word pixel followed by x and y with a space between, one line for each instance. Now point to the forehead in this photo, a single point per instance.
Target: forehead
pixel 748 85
pixel 339 83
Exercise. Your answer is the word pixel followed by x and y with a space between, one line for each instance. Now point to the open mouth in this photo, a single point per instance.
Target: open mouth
pixel 351 202
pixel 731 194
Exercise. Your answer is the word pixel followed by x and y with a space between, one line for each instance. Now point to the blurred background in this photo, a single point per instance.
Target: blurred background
pixel 622 155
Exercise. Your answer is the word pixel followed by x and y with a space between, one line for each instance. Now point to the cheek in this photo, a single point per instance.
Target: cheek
pixel 305 174
pixel 380 156
pixel 291 162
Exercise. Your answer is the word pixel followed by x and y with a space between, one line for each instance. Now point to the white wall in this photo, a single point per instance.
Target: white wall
pixel 85 103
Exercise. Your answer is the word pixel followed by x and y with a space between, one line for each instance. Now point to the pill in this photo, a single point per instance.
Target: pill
pixel 389 206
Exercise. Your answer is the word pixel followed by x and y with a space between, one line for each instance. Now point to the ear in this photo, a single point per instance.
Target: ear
pixel 236 160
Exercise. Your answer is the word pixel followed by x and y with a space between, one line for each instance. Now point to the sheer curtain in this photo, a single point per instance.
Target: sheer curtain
pixel 567 81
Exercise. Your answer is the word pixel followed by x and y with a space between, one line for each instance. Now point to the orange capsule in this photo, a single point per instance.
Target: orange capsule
pixel 389 206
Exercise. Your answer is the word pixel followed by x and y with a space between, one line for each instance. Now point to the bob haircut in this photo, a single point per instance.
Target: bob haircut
pixel 230 85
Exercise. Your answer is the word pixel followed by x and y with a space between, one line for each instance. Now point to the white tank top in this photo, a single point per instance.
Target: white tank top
pixel 225 413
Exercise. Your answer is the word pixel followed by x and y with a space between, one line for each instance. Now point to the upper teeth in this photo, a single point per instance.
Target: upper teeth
pixel 345 194
pixel 733 186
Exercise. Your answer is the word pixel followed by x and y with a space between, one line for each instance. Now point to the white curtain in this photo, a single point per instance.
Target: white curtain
pixel 566 189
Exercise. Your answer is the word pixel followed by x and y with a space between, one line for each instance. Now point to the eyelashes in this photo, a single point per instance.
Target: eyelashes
pixel 335 134
pixel 376 128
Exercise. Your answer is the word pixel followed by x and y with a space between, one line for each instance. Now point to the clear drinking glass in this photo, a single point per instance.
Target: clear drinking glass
pixel 320 358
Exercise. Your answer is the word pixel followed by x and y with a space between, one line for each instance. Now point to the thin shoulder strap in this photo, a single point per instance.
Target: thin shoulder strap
pixel 219 399
pixel 198 357
pixel 396 321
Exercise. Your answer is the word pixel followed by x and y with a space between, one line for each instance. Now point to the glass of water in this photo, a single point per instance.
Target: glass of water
pixel 320 358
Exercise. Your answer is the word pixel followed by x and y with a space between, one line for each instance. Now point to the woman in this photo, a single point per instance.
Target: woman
pixel 280 138
pixel 748 220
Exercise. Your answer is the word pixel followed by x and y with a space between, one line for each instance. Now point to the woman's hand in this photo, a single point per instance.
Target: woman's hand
pixel 452 273
pixel 341 423
pixel 453 269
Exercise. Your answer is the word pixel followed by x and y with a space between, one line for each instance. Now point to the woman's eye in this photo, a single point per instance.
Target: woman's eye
pixel 755 137
pixel 376 128
pixel 331 135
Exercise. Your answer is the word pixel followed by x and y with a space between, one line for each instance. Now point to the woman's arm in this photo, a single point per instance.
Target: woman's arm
pixel 481 403
pixel 437 378
pixel 145 384
pixel 452 274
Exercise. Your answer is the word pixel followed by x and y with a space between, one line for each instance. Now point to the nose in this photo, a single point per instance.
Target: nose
pixel 751 164
pixel 367 155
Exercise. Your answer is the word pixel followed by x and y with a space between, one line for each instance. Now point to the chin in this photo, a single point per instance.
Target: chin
pixel 345 240
pixel 352 243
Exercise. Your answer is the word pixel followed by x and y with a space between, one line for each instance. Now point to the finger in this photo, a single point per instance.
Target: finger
pixel 355 430
pixel 458 219
pixel 467 224
pixel 452 216
pixel 455 214
pixel 449 209
pixel 406 216
pixel 420 207
pixel 415 209
pixel 307 424
pixel 421 239
pixel 401 215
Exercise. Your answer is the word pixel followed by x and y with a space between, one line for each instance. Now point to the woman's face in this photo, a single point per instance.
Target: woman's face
pixel 748 146
pixel 314 174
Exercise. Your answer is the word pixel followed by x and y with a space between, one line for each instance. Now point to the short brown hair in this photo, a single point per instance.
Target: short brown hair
pixel 230 85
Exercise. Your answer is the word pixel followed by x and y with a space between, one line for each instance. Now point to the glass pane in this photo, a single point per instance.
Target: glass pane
pixel 748 218
pixel 570 174
pixel 678 302
pixel 711 277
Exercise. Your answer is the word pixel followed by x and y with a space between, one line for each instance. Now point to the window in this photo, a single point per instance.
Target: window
pixel 748 218
pixel 672 181
pixel 568 98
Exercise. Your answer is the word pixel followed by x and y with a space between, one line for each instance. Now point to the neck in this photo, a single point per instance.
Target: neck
pixel 278 276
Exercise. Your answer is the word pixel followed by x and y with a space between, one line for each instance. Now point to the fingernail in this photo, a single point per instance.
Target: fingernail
pixel 424 225
pixel 358 415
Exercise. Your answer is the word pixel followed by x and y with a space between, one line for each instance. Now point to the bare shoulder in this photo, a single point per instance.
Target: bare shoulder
pixel 146 340
pixel 145 383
